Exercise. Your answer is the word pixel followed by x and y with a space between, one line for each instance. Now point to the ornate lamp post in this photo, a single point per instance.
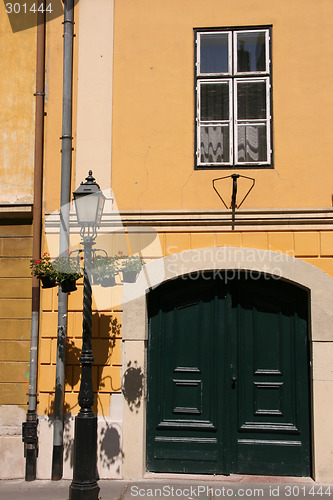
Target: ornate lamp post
pixel 89 204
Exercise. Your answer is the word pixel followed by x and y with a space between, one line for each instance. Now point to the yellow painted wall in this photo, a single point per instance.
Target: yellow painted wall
pixel 153 148
pixel 15 313
pixel 315 247
pixel 153 116
pixel 17 104
pixel 106 335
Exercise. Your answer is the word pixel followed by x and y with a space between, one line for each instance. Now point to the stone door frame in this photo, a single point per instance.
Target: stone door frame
pixel 233 260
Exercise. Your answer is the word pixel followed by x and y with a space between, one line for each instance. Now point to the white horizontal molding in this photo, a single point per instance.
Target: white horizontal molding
pixel 212 220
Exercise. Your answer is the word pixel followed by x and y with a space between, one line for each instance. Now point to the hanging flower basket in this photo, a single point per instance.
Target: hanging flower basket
pixel 62 270
pixel 129 276
pixel 68 271
pixel 68 285
pixel 106 282
pixel 43 270
pixel 130 266
pixel 104 271
pixel 48 282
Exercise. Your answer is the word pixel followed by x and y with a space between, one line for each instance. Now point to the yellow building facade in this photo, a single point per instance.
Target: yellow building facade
pixel 18 55
pixel 145 122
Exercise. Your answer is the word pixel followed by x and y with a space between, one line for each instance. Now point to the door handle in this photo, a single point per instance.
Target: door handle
pixel 234 380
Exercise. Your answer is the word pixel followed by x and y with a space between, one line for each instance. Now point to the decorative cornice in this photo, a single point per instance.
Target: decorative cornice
pixel 215 220
pixel 16 211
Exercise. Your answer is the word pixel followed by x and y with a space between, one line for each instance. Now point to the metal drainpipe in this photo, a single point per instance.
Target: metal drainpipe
pixel 29 428
pixel 65 198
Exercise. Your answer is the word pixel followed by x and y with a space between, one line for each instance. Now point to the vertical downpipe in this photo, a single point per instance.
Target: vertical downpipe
pixel 29 427
pixel 65 198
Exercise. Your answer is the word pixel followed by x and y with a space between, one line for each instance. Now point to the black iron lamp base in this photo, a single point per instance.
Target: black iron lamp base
pixel 84 485
pixel 88 491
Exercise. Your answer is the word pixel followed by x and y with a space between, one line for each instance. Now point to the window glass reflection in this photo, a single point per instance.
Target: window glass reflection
pixel 214 53
pixel 214 101
pixel 214 144
pixel 251 52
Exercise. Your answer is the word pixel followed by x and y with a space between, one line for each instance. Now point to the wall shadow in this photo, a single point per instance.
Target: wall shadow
pixel 110 446
pixel 132 386
pixel 106 329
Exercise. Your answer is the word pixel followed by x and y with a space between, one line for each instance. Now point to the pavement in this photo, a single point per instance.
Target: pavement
pixel 175 487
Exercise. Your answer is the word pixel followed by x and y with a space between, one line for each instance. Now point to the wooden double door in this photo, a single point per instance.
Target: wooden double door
pixel 228 377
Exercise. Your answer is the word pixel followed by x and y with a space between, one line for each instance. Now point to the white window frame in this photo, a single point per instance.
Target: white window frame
pixel 267 61
pixel 229 52
pixel 233 77
pixel 212 123
pixel 259 121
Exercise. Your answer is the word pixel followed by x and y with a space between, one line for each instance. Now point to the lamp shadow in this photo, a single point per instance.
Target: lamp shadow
pixel 106 333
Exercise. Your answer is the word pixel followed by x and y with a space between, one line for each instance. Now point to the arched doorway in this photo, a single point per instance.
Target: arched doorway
pixel 228 375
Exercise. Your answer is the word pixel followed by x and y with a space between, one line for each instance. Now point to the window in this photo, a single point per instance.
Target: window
pixel 233 98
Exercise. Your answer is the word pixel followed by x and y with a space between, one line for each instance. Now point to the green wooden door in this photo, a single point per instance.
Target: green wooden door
pixel 228 381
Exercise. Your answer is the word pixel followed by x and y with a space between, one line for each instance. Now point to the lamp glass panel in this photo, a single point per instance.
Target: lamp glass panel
pixel 87 208
pixel 101 202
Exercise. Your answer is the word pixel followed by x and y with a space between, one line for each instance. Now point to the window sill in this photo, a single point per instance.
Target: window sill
pixel 233 167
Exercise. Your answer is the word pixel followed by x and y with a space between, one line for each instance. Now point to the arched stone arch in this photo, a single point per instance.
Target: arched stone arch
pixel 301 273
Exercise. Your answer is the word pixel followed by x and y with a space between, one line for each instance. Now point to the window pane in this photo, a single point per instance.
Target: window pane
pixel 214 53
pixel 214 144
pixel 251 52
pixel 214 101
pixel 251 100
pixel 252 143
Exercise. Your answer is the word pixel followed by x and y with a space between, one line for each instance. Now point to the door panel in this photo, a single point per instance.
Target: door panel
pixel 228 377
pixel 181 432
pixel 272 434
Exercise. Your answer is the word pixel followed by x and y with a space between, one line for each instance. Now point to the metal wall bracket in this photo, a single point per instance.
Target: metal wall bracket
pixel 234 178
pixel 29 432
pixel 233 204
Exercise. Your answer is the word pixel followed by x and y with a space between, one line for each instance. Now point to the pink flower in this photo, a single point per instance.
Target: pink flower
pixel 120 252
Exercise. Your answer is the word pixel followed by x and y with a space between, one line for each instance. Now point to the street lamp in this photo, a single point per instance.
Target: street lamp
pixel 89 204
